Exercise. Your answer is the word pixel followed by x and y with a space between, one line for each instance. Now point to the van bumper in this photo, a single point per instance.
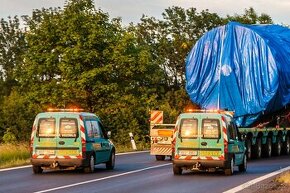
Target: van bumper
pixel 201 163
pixel 59 162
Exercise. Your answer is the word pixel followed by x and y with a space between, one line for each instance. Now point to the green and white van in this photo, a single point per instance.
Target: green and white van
pixel 70 140
pixel 208 141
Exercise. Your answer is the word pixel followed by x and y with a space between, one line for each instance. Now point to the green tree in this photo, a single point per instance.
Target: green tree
pixel 78 56
pixel 12 47
pixel 172 37
pixel 17 114
pixel 251 17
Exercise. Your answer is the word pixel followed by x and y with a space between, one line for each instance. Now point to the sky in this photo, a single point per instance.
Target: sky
pixel 132 10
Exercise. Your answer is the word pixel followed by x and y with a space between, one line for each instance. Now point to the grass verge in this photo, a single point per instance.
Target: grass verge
pixel 14 155
pixel 284 178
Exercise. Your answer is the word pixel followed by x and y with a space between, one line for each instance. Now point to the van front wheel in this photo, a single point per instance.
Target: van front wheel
pixel 91 167
pixel 37 169
pixel 243 166
pixel 111 163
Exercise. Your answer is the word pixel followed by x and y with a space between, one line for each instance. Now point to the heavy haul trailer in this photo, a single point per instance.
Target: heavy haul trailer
pixel 245 69
pixel 267 141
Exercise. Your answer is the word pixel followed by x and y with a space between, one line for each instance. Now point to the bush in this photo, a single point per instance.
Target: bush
pixel 9 137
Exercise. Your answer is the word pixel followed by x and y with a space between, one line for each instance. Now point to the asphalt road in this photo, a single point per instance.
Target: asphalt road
pixel 134 173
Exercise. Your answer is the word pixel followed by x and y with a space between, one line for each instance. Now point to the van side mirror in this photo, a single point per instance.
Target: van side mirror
pixel 243 137
pixel 109 133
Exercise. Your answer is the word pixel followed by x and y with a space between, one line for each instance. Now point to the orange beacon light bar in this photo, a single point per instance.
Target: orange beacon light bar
pixel 65 110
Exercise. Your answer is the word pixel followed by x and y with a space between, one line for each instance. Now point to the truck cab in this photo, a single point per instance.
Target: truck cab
pixel 207 140
pixel 160 136
pixel 161 139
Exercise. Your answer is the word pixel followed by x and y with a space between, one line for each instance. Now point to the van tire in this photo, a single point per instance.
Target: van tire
pixel 160 157
pixel 177 170
pixel 230 169
pixel 111 163
pixel 91 167
pixel 37 169
pixel 243 166
pixel 267 150
pixel 257 149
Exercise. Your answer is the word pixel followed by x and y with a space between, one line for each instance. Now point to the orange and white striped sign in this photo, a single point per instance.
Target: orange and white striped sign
pixel 156 117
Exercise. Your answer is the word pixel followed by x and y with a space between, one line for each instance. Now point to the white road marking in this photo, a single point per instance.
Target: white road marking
pixel 100 179
pixel 254 181
pixel 14 168
pixel 27 166
pixel 133 152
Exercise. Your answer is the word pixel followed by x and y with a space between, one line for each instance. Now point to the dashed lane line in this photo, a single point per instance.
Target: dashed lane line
pixel 100 179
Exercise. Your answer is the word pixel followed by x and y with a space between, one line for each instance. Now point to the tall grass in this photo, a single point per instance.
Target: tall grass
pixel 14 155
pixel 128 147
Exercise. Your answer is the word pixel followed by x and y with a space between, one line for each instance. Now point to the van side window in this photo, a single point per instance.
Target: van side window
pixel 210 128
pixel 188 128
pixel 46 127
pixel 232 131
pixel 89 129
pixel 68 127
pixel 97 129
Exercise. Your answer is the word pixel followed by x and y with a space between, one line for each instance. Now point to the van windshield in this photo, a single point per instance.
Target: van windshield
pixel 46 127
pixel 188 128
pixel 211 128
pixel 68 127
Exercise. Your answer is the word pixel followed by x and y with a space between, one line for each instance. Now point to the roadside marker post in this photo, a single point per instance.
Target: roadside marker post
pixel 132 141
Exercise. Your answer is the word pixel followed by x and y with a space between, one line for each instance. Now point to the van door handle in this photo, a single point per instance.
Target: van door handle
pixel 204 143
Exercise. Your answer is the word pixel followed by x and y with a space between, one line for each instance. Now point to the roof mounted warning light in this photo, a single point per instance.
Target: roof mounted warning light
pixel 230 113
pixel 65 110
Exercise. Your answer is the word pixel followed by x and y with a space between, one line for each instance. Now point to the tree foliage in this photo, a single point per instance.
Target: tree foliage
pixel 78 56
pixel 251 17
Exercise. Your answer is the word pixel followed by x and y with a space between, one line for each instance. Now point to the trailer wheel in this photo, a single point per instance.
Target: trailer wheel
pixel 267 150
pixel 278 147
pixel 160 157
pixel 286 146
pixel 177 170
pixel 249 148
pixel 257 149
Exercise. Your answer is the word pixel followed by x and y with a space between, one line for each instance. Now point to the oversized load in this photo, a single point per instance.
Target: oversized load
pixel 241 68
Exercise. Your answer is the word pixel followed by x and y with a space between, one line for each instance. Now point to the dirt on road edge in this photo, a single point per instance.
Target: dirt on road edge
pixel 276 184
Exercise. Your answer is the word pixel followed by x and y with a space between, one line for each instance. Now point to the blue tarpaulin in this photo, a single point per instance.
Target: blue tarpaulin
pixel 242 68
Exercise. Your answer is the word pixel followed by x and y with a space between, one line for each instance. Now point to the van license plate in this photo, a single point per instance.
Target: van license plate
pixel 68 152
pixel 187 152
pixel 45 152
pixel 209 153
